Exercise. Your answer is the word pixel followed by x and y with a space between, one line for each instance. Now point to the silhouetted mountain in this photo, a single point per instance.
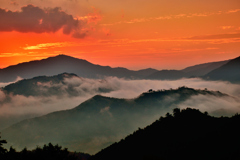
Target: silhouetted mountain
pixel 167 75
pixel 60 64
pixel 228 72
pixel 202 69
pixel 99 121
pixel 146 72
pixel 188 134
pixel 192 71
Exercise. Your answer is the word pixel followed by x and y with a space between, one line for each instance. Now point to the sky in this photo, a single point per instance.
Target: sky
pixel 136 34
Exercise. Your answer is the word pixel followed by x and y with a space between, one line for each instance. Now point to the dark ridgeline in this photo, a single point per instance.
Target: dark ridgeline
pixel 202 69
pixel 63 63
pixel 189 72
pixel 228 72
pixel 146 72
pixel 60 64
pixel 187 134
pixel 87 127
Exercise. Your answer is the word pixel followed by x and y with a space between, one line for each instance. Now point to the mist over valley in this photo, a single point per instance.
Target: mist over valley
pixel 88 114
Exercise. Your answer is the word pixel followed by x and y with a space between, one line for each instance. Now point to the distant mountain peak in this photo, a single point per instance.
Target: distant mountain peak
pixel 60 64
pixel 63 56
pixel 227 72
pixel 66 57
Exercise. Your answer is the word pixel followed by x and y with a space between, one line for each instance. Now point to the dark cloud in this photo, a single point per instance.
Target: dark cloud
pixel 34 19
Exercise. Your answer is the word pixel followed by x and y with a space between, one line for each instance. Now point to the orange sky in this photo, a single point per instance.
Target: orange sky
pixel 136 34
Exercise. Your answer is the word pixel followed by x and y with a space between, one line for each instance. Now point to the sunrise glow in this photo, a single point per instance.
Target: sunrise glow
pixel 133 34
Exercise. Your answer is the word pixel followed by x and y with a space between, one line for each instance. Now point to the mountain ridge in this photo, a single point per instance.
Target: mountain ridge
pixel 228 72
pixel 102 119
pixel 64 63
pixel 59 64
pixel 202 69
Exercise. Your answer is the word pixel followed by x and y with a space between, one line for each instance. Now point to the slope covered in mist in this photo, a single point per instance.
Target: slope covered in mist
pixel 40 95
pixel 188 134
pixel 99 121
pixel 57 85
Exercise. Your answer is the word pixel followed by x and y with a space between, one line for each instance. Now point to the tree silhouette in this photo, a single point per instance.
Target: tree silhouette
pixel 188 134
pixel 176 112
pixel 2 150
pixel 48 152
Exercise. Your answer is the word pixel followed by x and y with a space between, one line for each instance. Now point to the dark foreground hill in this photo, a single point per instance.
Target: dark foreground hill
pixel 99 121
pixel 47 152
pixel 188 134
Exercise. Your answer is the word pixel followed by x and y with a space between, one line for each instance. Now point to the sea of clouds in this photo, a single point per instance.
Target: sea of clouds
pixel 19 105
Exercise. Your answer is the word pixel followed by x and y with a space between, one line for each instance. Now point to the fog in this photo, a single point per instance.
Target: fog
pixel 224 106
pixel 112 86
pixel 19 105
pixel 2 84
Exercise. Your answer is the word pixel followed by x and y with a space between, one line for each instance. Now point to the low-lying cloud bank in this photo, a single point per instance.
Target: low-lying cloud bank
pixel 19 105
pixel 132 88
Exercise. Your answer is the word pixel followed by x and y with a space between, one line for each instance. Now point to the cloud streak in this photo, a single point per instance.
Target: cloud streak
pixel 49 45
pixel 34 19
pixel 176 16
pixel 217 36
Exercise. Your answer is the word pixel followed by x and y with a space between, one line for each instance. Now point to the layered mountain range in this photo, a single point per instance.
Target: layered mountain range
pixel 99 121
pixel 62 63
pixel 50 84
